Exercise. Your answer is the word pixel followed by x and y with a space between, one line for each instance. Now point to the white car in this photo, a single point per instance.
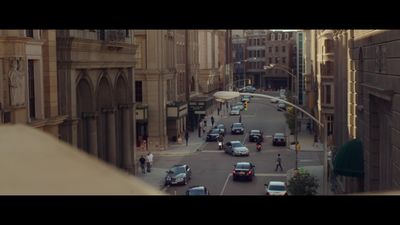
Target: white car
pixel 275 188
pixel 235 112
pixel 274 100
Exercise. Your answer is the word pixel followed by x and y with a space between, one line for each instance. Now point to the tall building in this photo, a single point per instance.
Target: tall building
pixel 28 83
pixel 238 53
pixel 95 89
pixel 255 57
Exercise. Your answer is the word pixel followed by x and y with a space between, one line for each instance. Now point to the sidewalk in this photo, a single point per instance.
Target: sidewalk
pixel 157 175
pixel 305 139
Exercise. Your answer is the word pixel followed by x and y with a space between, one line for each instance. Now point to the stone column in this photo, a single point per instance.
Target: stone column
pixel 111 136
pixel 126 135
pixel 92 134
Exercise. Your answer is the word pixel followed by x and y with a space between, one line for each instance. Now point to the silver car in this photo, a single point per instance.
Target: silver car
pixel 235 112
pixel 236 148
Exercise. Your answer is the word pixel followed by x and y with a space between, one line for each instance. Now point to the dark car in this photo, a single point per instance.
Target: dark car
pixel 213 134
pixel 237 128
pixel 178 174
pixel 221 128
pixel 197 190
pixel 256 136
pixel 243 170
pixel 279 139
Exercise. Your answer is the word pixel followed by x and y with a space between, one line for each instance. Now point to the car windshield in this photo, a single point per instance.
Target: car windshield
pixel 196 191
pixel 276 188
pixel 279 135
pixel 177 170
pixel 220 126
pixel 237 125
pixel 242 166
pixel 237 145
pixel 214 131
pixel 255 132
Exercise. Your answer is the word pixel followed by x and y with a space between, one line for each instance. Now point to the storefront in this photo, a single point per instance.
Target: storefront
pixel 141 125
pixel 199 107
pixel 176 120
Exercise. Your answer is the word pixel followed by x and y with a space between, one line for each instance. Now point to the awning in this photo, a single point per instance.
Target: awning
pixel 349 160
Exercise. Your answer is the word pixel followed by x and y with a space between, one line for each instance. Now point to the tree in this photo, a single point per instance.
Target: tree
pixel 302 183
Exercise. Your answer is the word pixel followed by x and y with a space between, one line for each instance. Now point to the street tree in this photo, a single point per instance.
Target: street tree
pixel 303 183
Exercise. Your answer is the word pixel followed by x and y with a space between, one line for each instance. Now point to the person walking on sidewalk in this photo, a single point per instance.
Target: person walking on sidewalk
pixel 315 140
pixel 212 121
pixel 278 163
pixel 187 137
pixel 205 121
pixel 142 162
pixel 149 161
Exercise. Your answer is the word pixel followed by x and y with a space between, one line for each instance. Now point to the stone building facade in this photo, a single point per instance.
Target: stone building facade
pixel 96 86
pixel 28 82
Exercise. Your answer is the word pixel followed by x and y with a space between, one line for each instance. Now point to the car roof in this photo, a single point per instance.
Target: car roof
pixel 243 163
pixel 255 131
pixel 277 183
pixel 179 165
pixel 237 124
pixel 279 134
pixel 235 142
pixel 200 187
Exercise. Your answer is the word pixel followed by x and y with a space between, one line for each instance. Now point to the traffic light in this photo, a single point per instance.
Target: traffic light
pixel 245 106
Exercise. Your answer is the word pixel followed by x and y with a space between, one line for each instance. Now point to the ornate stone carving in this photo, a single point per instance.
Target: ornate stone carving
pixel 16 82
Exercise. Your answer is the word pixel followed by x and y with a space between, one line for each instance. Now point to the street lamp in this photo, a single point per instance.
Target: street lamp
pixel 271 66
pixel 227 95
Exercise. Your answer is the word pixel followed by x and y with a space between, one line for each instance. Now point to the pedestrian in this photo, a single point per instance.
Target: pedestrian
pixel 149 161
pixel 309 126
pixel 212 121
pixel 142 161
pixel 240 118
pixel 227 106
pixel 205 121
pixel 187 137
pixel 278 163
pixel 315 140
pixel 204 130
pixel 199 129
pixel 218 111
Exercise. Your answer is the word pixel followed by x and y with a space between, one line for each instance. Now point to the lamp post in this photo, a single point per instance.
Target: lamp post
pixel 271 66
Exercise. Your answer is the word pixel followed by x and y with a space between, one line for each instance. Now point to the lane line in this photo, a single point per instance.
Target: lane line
pixel 226 182
pixel 270 175
pixel 244 139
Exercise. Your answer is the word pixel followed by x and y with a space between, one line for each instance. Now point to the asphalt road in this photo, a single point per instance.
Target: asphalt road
pixel 213 168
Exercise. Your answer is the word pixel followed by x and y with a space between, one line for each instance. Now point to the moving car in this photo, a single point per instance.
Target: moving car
pixel 274 100
pixel 275 188
pixel 213 134
pixel 246 98
pixel 238 105
pixel 221 128
pixel 237 128
pixel 236 148
pixel 197 190
pixel 255 136
pixel 178 174
pixel 243 170
pixel 281 106
pixel 249 89
pixel 235 112
pixel 279 139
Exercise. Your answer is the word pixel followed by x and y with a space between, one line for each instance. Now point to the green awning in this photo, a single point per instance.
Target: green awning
pixel 349 161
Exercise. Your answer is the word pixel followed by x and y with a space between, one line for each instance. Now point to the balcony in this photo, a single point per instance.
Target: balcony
pixel 113 38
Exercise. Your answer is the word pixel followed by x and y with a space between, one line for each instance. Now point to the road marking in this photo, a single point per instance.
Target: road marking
pixel 270 174
pixel 244 139
pixel 226 182
pixel 213 151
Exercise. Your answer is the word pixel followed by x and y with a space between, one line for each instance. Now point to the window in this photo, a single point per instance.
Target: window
pixel 263 41
pixel 262 53
pixel 29 33
pixel 270 60
pixel 328 94
pixel 138 91
pixel 270 49
pixel 329 68
pixel 258 53
pixel 7 117
pixel 279 36
pixel 31 86
pixel 258 41
pixel 102 34
pixel 276 49
pixel 272 37
pixel 283 59
pixel 286 36
pixel 283 48
pixel 276 60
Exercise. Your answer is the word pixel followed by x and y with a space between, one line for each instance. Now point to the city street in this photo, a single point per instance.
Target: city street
pixel 213 168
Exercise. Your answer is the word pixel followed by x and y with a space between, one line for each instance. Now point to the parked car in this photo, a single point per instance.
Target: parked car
pixel 279 139
pixel 236 107
pixel 274 100
pixel 235 112
pixel 256 135
pixel 237 128
pixel 213 134
pixel 221 128
pixel 243 170
pixel 236 148
pixel 275 188
pixel 178 174
pixel 197 190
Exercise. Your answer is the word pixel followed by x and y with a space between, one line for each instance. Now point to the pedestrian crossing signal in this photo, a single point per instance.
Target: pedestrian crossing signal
pixel 245 106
